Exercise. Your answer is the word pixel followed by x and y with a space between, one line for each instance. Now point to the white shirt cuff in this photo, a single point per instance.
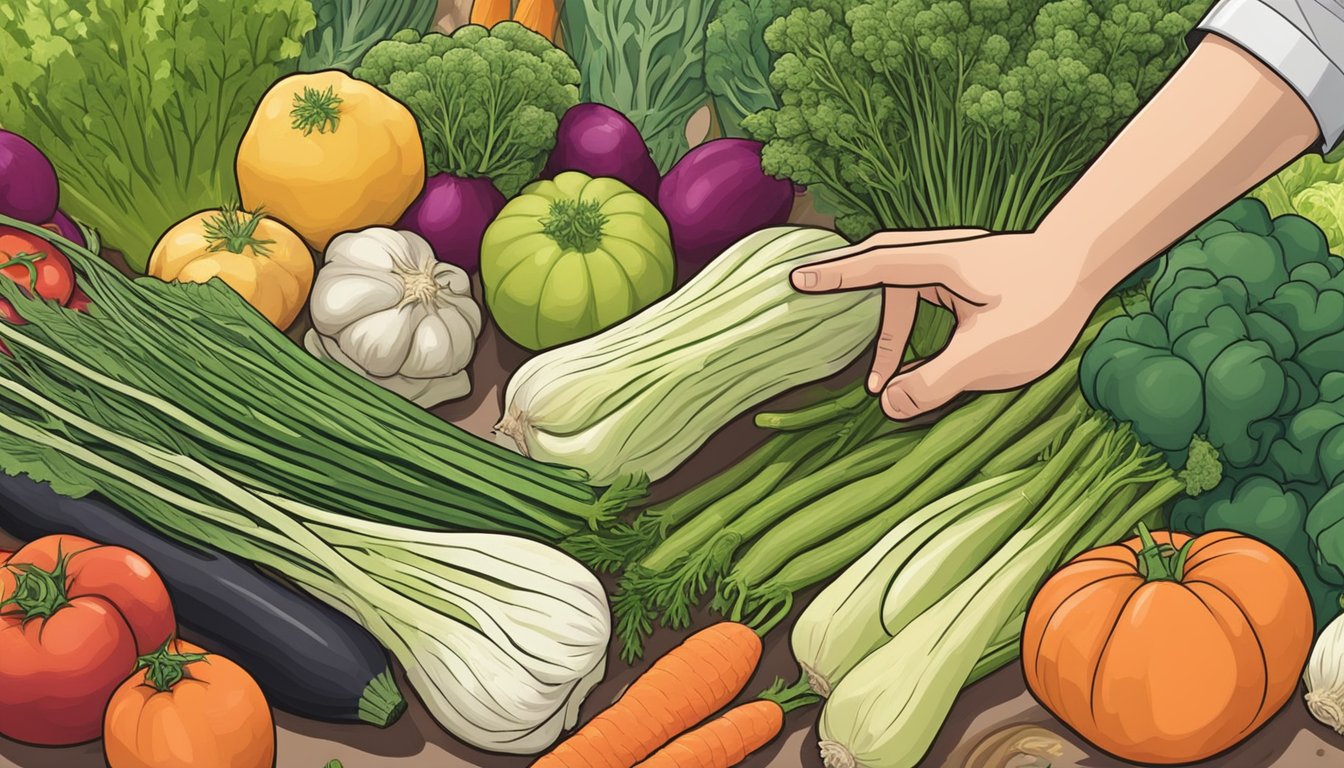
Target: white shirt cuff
pixel 1301 40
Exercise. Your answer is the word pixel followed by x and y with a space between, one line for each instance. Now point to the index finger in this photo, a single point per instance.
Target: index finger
pixel 869 263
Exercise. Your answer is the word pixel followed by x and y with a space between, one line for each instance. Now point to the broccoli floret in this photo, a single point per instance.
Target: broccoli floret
pixel 488 102
pixel 1203 471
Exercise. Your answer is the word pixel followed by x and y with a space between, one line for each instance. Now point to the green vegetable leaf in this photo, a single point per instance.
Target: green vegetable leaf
pixel 347 29
pixel 738 62
pixel 488 102
pixel 646 59
pixel 140 106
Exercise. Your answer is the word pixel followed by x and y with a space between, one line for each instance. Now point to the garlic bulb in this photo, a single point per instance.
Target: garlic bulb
pixel 383 306
pixel 1325 677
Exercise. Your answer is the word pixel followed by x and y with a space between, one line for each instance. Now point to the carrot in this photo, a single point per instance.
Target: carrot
pixel 690 683
pixel 488 13
pixel 538 16
pixel 724 741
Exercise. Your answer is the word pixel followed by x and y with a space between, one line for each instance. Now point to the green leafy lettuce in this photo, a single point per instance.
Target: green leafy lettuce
pixel 141 105
pixel 1313 187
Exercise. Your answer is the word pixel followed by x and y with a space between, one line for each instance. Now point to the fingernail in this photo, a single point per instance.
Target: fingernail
pixel 874 383
pixel 805 279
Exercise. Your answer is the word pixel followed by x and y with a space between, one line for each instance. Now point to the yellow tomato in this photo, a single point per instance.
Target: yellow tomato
pixel 261 259
pixel 326 154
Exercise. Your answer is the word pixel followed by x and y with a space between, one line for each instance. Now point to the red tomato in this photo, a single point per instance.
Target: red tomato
pixel 79 300
pixel 75 617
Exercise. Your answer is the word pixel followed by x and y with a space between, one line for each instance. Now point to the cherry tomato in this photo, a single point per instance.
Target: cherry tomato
pixel 74 618
pixel 34 262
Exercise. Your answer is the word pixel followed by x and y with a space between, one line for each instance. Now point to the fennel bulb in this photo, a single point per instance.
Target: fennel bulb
pixel 1324 677
pixel 642 396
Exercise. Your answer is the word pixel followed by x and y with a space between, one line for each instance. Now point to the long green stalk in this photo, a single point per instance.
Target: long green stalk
pixel 193 369
pixel 951 452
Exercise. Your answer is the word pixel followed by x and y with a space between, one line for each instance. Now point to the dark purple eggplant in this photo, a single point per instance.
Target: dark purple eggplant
pixel 309 659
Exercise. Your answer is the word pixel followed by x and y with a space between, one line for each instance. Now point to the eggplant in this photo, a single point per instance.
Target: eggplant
pixel 309 659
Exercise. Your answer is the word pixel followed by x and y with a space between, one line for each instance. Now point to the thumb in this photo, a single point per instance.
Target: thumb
pixel 934 383
pixel 909 266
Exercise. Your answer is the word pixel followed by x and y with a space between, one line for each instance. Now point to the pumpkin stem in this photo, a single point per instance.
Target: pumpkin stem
pixel 233 231
pixel 1161 562
pixel 39 593
pixel 166 668
pixel 575 225
pixel 314 109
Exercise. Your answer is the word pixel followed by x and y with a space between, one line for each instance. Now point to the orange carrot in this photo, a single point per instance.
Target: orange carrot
pixel 488 13
pixel 538 16
pixel 690 683
pixel 724 741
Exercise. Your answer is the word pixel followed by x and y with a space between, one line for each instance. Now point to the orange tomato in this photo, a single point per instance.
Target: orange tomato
pixel 185 708
pixel 1161 657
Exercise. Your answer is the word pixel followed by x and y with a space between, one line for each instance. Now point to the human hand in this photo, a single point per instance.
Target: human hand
pixel 1019 308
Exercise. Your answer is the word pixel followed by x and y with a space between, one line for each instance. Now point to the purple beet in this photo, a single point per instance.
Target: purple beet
pixel 67 228
pixel 716 195
pixel 28 189
pixel 452 214
pixel 599 141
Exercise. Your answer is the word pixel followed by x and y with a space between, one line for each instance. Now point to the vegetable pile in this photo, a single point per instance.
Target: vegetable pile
pixel 84 418
pixel 397 191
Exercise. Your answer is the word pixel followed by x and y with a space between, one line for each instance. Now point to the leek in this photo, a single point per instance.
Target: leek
pixel 886 711
pixel 642 396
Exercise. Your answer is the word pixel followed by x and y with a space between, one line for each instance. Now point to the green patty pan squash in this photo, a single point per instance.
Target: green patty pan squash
pixel 571 256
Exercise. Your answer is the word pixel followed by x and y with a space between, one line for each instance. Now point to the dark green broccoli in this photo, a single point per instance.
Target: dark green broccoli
pixel 488 102
pixel 1227 347
pixel 1278 516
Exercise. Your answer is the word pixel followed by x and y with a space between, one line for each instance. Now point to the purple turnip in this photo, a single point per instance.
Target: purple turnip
pixel 452 214
pixel 599 141
pixel 716 195
pixel 66 228
pixel 28 189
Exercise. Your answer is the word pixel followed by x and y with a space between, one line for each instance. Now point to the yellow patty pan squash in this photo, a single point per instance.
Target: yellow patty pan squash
pixel 261 259
pixel 569 257
pixel 326 153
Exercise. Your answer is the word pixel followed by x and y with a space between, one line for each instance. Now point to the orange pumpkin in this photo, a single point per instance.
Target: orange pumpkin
pixel 1167 649
pixel 184 708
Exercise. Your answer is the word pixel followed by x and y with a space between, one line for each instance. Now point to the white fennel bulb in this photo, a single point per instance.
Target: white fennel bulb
pixel 383 306
pixel 1325 677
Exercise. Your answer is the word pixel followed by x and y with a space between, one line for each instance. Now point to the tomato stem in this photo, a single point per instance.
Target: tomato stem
pixel 233 230
pixel 166 668
pixel 314 109
pixel 39 593
pixel 1161 562
pixel 28 260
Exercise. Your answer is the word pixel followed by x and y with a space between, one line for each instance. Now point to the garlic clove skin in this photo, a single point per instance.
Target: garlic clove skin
pixel 381 342
pixel 1324 677
pixel 347 295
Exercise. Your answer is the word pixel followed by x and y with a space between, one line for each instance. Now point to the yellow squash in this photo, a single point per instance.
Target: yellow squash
pixel 326 154
pixel 261 259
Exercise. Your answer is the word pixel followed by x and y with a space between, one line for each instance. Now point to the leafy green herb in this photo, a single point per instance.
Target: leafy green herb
pixel 140 106
pixel 488 101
